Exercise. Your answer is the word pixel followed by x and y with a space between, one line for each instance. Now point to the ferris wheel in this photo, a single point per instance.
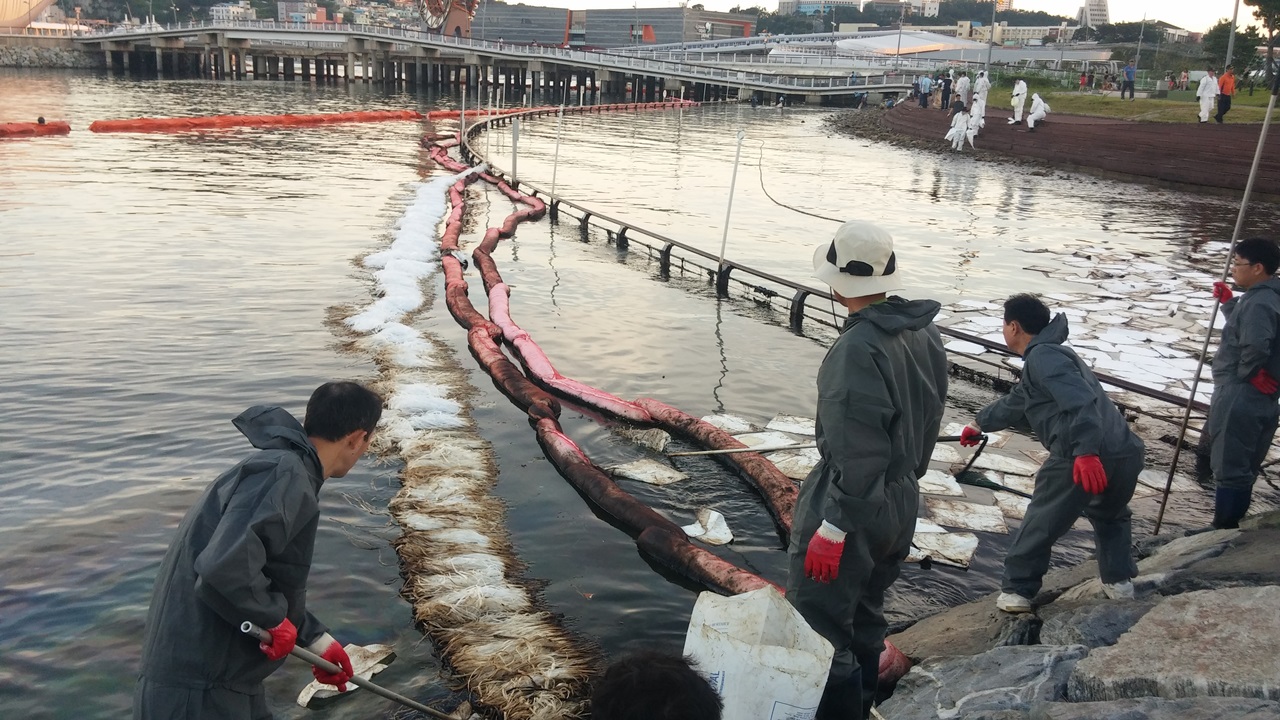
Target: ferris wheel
pixel 433 13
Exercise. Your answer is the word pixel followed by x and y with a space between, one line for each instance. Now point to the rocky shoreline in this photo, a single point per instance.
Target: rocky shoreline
pixel 48 58
pixel 1200 640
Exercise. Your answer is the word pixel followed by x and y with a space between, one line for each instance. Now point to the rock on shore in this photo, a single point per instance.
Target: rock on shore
pixel 1200 641
pixel 45 57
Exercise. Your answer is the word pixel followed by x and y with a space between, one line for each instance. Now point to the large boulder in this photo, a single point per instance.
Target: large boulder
pixel 1166 565
pixel 1092 623
pixel 1153 708
pixel 1262 521
pixel 966 630
pixel 1222 643
pixel 1004 682
pixel 1250 559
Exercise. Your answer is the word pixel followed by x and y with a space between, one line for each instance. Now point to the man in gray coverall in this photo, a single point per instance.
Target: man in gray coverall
pixel 1094 459
pixel 881 390
pixel 1243 414
pixel 243 553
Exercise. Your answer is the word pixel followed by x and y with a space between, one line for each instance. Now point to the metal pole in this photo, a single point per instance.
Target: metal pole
pixel 1231 39
pixel 515 141
pixel 1137 55
pixel 991 38
pixel 252 630
pixel 897 58
pixel 1213 316
pixel 733 181
pixel 555 162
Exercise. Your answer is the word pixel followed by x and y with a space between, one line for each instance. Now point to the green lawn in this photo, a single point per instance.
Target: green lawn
pixel 1245 109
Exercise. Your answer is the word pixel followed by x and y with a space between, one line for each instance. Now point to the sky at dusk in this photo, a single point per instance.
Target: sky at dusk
pixel 1194 15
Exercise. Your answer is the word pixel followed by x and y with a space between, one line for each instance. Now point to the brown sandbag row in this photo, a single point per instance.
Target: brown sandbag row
pixel 213 122
pixel 34 129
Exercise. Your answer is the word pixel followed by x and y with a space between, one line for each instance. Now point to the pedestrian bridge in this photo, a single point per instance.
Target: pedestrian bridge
pixel 280 37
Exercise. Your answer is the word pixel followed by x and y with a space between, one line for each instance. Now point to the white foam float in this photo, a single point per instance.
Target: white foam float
pixel 795 464
pixel 925 525
pixel 1156 479
pixel 944 453
pixel 766 439
pixel 1012 506
pixel 731 424
pixel 792 424
pixel 366 661
pixel 978 305
pixel 648 471
pixel 936 482
pixel 710 528
pixel 1005 464
pixel 964 347
pixel 953 548
pixel 966 515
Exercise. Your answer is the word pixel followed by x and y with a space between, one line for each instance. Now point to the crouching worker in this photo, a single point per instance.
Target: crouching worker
pixel 243 553
pixel 1094 459
pixel 881 390
pixel 654 685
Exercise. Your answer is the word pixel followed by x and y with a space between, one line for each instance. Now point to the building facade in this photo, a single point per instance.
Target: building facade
pixel 606 28
pixel 297 11
pixel 1003 5
pixel 232 11
pixel 1093 13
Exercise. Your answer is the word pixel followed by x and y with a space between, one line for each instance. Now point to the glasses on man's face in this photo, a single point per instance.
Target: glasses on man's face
pixel 1241 263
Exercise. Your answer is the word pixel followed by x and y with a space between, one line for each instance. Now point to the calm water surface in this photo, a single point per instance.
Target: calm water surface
pixel 156 285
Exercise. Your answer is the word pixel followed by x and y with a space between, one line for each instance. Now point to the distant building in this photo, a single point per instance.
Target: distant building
pixel 812 7
pixel 232 11
pixel 605 28
pixel 1003 5
pixel 925 8
pixel 1005 34
pixel 1093 13
pixel 297 11
pixel 887 7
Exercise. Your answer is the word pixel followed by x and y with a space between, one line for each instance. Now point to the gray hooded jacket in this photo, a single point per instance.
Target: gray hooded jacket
pixel 1061 401
pixel 242 552
pixel 881 390
pixel 1249 338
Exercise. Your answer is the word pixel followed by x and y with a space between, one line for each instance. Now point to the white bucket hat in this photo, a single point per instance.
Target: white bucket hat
pixel 859 261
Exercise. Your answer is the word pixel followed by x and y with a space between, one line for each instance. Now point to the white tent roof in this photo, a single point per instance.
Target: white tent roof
pixel 912 42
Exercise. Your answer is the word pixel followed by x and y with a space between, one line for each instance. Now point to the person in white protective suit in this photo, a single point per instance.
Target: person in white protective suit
pixel 1207 92
pixel 978 111
pixel 1018 100
pixel 960 123
pixel 963 89
pixel 1039 108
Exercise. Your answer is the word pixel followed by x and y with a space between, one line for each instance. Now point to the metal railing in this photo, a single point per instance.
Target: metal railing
pixel 608 61
pixel 763 287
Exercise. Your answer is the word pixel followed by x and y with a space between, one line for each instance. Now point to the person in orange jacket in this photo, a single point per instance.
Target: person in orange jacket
pixel 1226 89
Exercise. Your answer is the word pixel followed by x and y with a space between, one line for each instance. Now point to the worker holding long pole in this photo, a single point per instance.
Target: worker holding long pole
pixel 243 553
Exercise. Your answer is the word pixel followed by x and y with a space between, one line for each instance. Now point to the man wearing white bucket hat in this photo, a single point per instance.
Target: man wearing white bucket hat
pixel 881 390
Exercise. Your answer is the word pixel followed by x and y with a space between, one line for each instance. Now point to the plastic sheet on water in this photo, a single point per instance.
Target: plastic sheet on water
pixel 710 528
pixel 648 471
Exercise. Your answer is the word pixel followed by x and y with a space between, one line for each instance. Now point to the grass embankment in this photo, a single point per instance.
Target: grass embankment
pixel 1244 108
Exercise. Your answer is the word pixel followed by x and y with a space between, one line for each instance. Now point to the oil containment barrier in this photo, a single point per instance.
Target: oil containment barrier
pixel 215 122
pixel 34 129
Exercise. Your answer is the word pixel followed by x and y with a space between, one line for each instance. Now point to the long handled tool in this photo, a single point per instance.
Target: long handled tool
pixel 1213 316
pixel 253 630
pixel 801 446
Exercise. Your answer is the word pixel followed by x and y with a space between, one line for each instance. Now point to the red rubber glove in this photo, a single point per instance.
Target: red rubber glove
pixel 1089 475
pixel 970 436
pixel 331 650
pixel 1222 292
pixel 1264 381
pixel 283 637
pixel 822 561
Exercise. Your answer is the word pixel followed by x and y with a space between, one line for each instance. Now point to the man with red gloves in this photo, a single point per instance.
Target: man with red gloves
pixel 881 390
pixel 1243 413
pixel 243 553
pixel 1094 459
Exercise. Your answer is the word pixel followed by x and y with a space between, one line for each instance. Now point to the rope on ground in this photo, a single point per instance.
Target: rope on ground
pixel 782 204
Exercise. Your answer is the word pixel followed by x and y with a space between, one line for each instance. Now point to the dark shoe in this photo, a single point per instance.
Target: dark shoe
pixel 1219 120
pixel 1230 505
pixel 1031 129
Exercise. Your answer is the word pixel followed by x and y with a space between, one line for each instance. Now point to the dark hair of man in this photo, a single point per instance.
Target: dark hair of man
pixel 1260 250
pixel 337 409
pixel 654 685
pixel 1027 310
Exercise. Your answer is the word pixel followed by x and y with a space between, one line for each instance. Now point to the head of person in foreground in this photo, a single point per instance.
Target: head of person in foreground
pixel 340 420
pixel 858 264
pixel 654 685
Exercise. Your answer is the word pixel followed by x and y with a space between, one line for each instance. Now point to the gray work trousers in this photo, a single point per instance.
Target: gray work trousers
pixel 1055 505
pixel 849 611
pixel 156 701
pixel 1242 423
